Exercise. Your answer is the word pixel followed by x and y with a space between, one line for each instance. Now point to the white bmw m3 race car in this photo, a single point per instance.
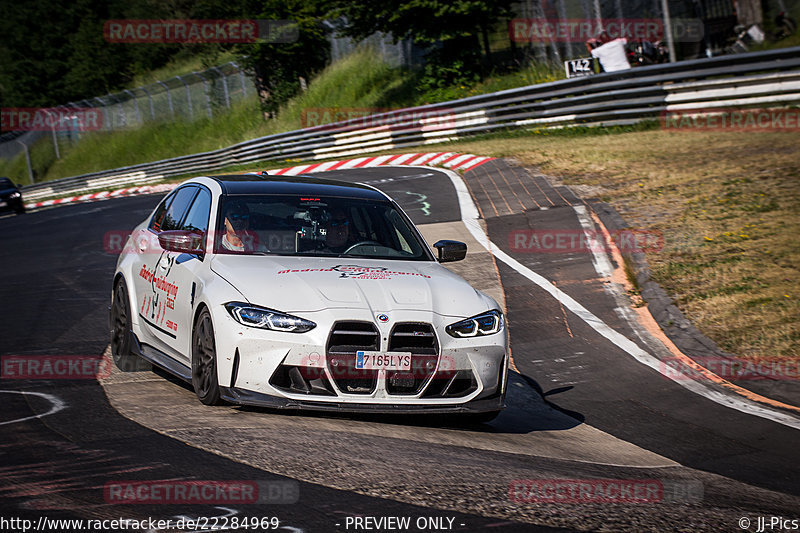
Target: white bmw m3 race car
pixel 305 293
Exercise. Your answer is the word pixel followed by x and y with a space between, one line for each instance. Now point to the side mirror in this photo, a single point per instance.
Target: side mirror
pixel 451 250
pixel 181 241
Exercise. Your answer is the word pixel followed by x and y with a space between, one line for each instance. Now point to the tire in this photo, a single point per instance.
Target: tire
pixel 124 359
pixel 204 361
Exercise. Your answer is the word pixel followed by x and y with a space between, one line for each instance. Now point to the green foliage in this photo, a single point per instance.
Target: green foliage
pixel 278 67
pixel 54 51
pixel 455 31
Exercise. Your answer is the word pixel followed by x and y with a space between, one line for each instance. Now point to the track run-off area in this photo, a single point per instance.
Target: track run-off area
pixel 588 397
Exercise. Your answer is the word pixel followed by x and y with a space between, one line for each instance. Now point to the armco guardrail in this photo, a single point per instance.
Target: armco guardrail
pixel 642 93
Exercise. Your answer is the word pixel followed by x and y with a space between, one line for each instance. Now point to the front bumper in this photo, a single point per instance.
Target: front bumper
pixel 296 371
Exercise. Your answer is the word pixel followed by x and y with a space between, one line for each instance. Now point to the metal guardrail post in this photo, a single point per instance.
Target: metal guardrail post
pixel 122 115
pixel 74 121
pixel 135 105
pixel 205 90
pixel 224 86
pixel 150 99
pixel 169 98
pixel 27 159
pixel 53 131
pixel 188 97
pixel 668 30
pixel 105 109
pixel 241 79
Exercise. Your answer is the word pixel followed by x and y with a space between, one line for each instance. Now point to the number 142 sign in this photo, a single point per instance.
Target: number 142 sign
pixel 583 66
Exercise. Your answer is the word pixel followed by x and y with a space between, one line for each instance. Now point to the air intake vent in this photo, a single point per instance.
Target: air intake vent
pixel 451 384
pixel 420 340
pixel 345 340
pixel 301 380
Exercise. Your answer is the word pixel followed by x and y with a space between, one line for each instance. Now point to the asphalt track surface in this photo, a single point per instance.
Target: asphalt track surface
pixel 579 407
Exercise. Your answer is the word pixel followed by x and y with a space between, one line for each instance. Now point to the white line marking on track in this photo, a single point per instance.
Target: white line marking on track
pixel 470 218
pixel 57 404
pixel 600 260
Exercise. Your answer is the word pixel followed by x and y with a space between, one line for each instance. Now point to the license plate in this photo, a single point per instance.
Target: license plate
pixel 383 360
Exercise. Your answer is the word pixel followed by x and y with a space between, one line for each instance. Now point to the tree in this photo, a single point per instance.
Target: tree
pixel 278 66
pixel 453 30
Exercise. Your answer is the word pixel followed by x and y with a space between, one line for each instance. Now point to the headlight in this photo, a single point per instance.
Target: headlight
pixel 261 317
pixel 14 195
pixel 477 326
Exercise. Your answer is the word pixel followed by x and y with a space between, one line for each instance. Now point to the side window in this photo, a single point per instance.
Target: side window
pixel 197 218
pixel 161 210
pixel 178 208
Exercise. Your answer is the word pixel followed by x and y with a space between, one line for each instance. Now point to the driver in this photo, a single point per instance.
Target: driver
pixel 339 233
pixel 236 220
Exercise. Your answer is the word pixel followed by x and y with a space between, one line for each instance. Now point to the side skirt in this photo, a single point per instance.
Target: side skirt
pixel 160 359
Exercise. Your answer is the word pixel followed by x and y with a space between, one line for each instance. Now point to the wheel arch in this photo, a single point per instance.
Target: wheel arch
pixel 132 306
pixel 199 309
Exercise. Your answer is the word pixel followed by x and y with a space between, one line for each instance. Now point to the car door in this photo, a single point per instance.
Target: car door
pixel 181 277
pixel 152 277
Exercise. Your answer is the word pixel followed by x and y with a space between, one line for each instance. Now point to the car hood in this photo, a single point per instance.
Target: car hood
pixel 294 285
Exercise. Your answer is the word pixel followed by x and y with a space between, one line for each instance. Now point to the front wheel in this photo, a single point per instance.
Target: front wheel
pixel 204 361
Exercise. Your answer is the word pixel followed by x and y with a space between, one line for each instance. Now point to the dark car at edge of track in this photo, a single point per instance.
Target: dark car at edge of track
pixel 10 197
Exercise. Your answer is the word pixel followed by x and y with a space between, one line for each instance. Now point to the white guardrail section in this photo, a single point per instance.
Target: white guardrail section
pixel 644 93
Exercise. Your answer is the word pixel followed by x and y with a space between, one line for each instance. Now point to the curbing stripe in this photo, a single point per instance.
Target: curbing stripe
pixel 365 162
pixel 449 159
pixel 463 160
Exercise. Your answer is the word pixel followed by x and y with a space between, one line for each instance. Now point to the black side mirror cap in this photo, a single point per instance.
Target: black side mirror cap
pixel 450 250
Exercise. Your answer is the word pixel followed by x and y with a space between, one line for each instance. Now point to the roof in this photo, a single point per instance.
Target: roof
pixel 303 185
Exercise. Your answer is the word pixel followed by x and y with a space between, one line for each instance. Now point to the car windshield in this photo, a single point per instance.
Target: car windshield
pixel 316 226
pixel 6 183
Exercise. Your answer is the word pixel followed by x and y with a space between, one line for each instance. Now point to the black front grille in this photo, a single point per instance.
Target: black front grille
pixel 345 340
pixel 420 340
